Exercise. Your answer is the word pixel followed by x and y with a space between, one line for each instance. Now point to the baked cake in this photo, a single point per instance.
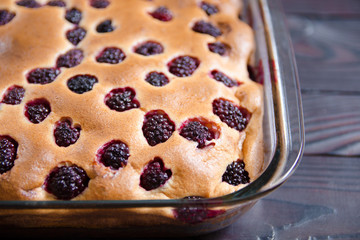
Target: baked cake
pixel 126 99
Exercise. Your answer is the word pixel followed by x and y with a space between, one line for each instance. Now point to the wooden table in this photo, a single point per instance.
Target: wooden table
pixel 322 199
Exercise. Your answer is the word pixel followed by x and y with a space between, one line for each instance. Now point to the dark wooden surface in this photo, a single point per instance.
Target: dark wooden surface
pixel 323 8
pixel 322 199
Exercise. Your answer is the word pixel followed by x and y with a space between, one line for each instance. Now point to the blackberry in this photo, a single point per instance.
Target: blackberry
pixel 206 28
pixel 6 17
pixel 197 131
pixel 13 95
pixel 234 116
pixel 70 59
pixel 66 135
pixel 209 9
pixel 149 48
pixel 37 110
pixel 66 182
pixel 42 75
pixel 157 79
pixel 56 3
pixel 81 83
pixel 154 175
pixel 99 3
pixel 111 55
pixel 28 3
pixel 105 26
pixel 76 35
pixel 220 48
pixel 162 14
pixel 221 77
pixel 8 152
pixel 157 127
pixel 73 15
pixel 122 99
pixel 195 213
pixel 114 154
pixel 236 174
pixel 183 66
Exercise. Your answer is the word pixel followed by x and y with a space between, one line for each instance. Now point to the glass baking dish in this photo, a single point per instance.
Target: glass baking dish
pixel 275 67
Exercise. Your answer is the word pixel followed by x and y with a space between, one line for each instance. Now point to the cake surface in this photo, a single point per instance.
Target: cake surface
pixel 126 99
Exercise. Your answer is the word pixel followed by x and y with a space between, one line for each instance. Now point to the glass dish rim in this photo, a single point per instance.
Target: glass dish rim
pixel 251 192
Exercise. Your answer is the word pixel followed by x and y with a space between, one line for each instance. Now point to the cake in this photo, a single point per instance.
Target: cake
pixel 127 100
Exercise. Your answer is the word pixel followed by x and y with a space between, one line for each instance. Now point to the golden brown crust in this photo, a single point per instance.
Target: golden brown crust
pixel 36 37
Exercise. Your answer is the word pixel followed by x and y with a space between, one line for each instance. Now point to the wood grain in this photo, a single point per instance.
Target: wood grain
pixel 343 8
pixel 332 124
pixel 327 53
